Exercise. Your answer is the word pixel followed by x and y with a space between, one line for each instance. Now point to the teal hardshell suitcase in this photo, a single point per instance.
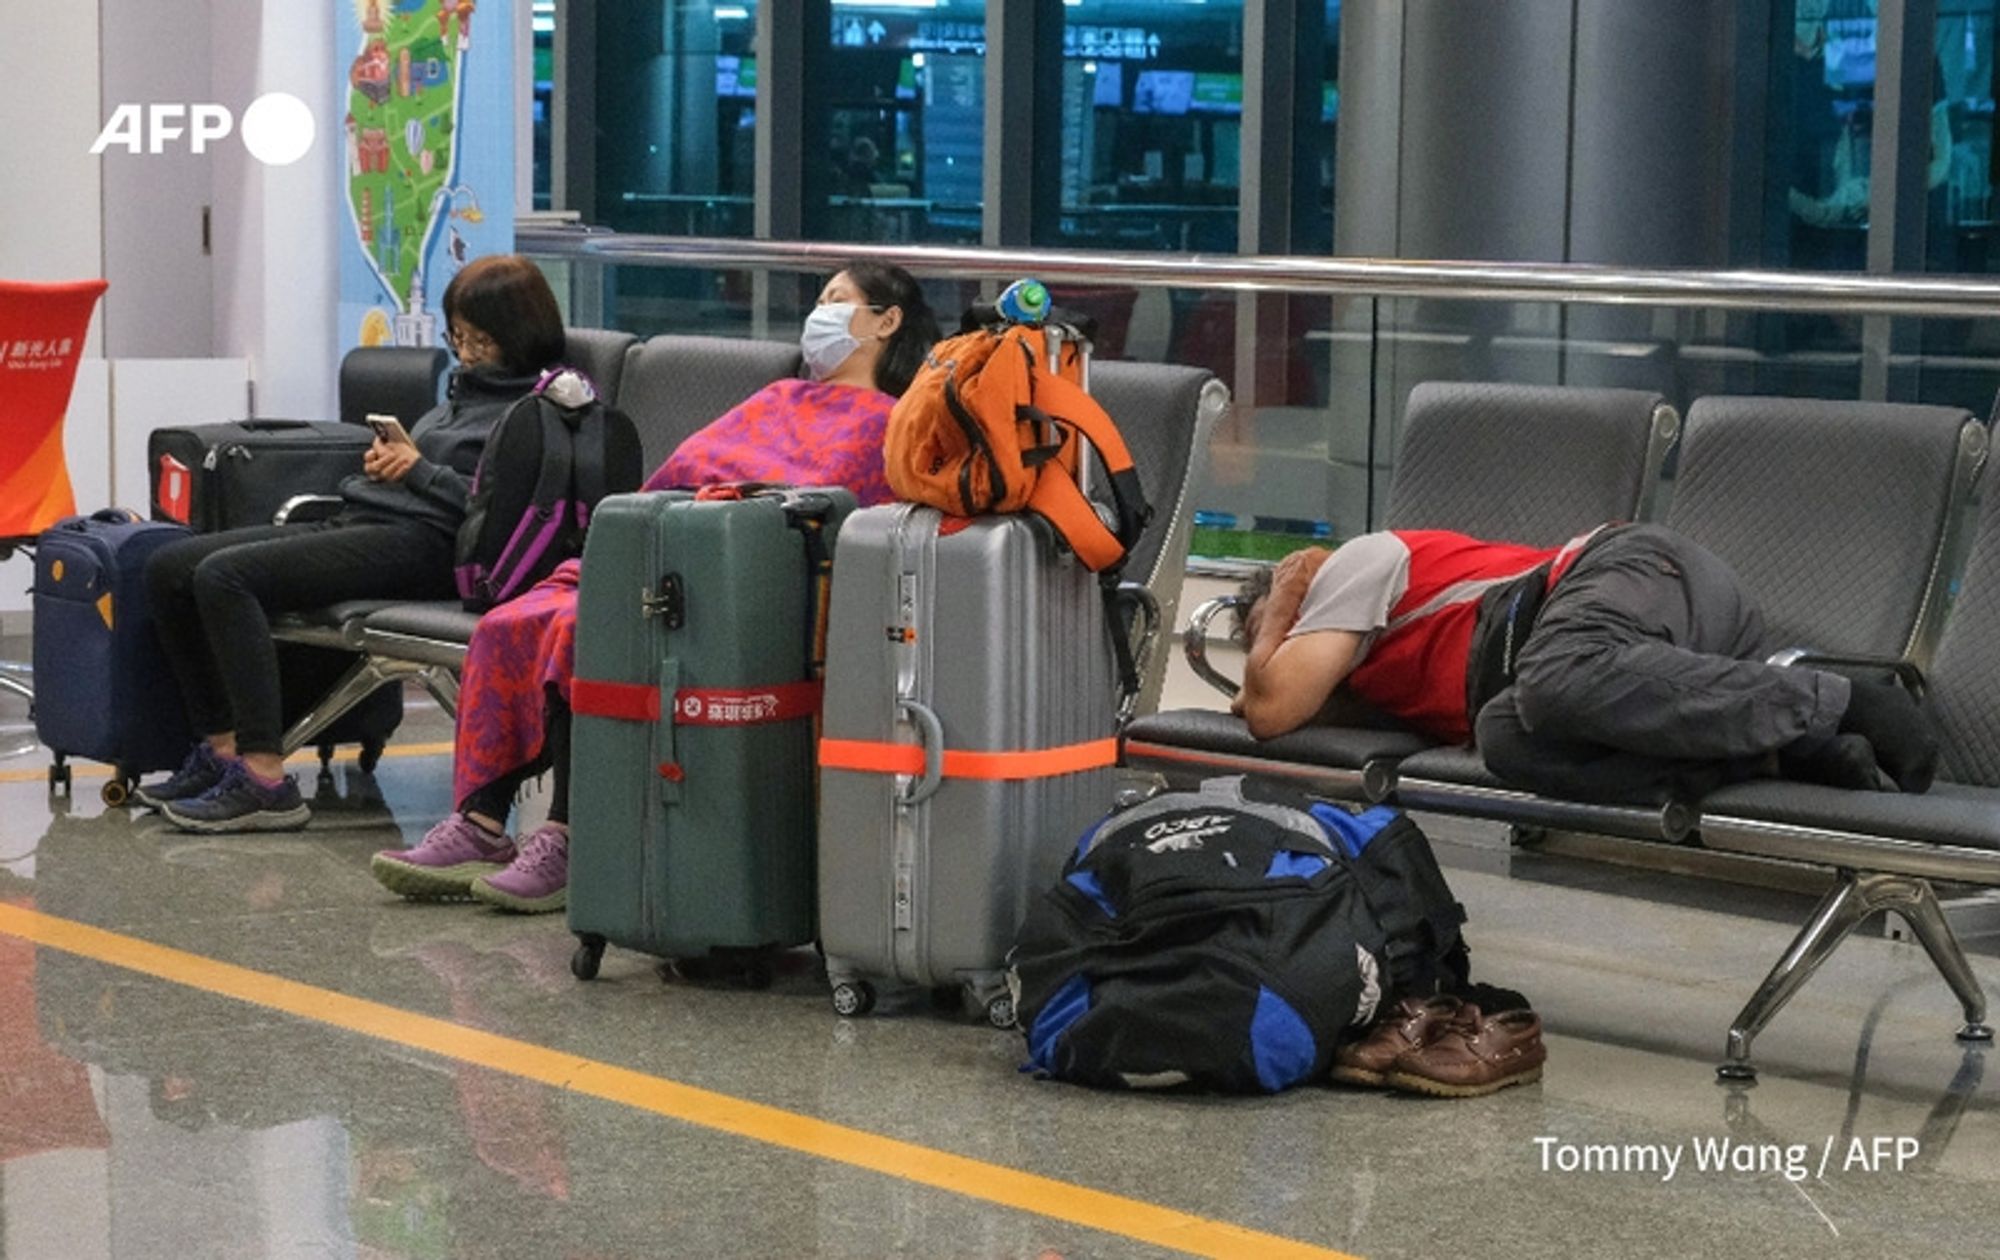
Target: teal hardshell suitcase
pixel 700 632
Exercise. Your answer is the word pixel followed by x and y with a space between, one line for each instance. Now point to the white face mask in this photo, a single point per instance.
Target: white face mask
pixel 826 343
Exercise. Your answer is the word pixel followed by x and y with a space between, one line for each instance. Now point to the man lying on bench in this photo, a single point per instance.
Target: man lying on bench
pixel 1625 666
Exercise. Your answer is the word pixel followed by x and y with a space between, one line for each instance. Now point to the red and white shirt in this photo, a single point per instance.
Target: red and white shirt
pixel 1413 594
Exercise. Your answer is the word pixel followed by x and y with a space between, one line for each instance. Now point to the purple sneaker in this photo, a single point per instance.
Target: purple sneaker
pixel 442 867
pixel 538 880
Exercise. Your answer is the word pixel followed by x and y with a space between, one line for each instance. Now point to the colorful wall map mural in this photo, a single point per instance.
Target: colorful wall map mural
pixel 428 158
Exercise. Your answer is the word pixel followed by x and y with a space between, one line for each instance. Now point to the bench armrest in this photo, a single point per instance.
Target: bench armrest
pixel 1139 622
pixel 1907 672
pixel 303 508
pixel 1194 643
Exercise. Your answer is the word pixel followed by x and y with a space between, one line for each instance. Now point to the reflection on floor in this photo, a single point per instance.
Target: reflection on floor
pixel 141 1118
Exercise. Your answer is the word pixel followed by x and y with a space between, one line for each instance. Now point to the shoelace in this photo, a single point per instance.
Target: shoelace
pixel 233 773
pixel 193 764
pixel 474 836
pixel 545 851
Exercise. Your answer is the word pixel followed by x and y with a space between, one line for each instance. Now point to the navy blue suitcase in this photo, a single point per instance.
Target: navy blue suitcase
pixel 103 690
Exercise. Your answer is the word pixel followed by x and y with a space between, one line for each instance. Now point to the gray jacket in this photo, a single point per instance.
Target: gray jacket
pixel 450 439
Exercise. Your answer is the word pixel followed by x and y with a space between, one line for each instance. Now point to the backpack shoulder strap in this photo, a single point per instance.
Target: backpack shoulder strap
pixel 552 481
pixel 1056 496
pixel 589 470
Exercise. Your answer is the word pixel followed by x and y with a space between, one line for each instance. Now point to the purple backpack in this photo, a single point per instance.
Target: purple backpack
pixel 549 462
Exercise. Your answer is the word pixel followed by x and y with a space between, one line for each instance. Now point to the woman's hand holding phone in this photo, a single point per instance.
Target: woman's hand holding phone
pixel 392 454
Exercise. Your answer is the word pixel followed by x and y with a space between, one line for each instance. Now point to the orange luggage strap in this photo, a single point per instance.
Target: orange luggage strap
pixel 873 757
pixel 697 706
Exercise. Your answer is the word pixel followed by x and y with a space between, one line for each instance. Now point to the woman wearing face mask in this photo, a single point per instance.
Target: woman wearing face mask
pixel 862 345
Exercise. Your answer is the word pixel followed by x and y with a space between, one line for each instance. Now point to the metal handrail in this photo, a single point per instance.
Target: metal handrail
pixel 1748 290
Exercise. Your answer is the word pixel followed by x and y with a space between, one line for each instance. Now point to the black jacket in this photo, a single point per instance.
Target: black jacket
pixel 450 438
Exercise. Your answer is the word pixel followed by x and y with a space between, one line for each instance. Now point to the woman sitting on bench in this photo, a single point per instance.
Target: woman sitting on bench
pixel 213 594
pixel 862 346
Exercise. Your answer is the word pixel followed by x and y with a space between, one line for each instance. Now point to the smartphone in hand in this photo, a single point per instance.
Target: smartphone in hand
pixel 389 429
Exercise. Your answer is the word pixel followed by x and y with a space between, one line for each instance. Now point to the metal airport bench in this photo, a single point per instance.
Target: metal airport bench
pixel 671 385
pixel 1840 516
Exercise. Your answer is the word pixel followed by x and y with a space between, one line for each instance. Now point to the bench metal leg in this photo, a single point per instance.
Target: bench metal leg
pixel 12 681
pixel 1926 918
pixel 443 686
pixel 1854 897
pixel 368 675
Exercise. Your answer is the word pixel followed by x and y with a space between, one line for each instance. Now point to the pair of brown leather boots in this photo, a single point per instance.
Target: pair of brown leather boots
pixel 1444 1047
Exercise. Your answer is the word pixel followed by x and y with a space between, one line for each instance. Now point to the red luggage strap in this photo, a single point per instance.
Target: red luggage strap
pixel 873 757
pixel 697 706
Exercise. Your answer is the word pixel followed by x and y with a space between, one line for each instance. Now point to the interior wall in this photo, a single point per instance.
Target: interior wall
pixel 275 259
pixel 248 325
pixel 161 302
pixel 51 218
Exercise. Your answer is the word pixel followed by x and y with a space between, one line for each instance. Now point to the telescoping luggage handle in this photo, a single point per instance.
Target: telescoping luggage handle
pixel 103 516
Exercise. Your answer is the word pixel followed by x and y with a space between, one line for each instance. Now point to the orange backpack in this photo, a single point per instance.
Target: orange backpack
pixel 986 426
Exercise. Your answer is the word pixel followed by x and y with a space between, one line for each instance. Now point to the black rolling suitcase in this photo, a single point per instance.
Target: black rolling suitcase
pixel 223 476
pixel 307 673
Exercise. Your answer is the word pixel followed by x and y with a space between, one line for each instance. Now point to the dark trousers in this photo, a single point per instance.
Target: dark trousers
pixel 496 798
pixel 1644 677
pixel 213 596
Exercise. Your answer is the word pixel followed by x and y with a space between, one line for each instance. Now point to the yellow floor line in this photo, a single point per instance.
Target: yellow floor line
pixel 974 1179
pixel 304 757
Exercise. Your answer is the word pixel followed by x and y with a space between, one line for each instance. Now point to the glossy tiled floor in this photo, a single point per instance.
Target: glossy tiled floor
pixel 146 1117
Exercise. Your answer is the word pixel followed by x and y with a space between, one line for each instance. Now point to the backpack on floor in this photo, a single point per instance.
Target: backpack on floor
pixel 989 426
pixel 1211 941
pixel 549 462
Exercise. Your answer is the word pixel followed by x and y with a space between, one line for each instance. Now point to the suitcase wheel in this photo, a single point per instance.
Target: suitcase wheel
pixel 853 997
pixel 992 1000
pixel 116 790
pixel 371 755
pixel 589 953
pixel 1000 1011
pixel 58 779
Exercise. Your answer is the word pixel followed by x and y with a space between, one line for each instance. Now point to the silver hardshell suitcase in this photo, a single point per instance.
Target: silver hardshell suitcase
pixel 968 739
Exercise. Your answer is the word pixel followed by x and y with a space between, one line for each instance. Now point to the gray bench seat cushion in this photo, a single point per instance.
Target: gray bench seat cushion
pixel 1950 813
pixel 444 620
pixel 335 614
pixel 1336 747
pixel 1448 765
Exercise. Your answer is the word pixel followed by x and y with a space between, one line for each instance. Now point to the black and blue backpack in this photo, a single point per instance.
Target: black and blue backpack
pixel 1208 940
pixel 548 463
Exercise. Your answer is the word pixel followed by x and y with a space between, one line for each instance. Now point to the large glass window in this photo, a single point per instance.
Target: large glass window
pixel 543 101
pixel 1961 168
pixel 1152 124
pixel 906 121
pixel 1315 236
pixel 676 115
pixel 1823 109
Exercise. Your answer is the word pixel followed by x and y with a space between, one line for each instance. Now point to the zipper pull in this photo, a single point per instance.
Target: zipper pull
pixel 208 460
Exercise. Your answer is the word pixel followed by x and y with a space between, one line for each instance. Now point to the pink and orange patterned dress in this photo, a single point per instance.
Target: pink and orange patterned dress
pixel 799 432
